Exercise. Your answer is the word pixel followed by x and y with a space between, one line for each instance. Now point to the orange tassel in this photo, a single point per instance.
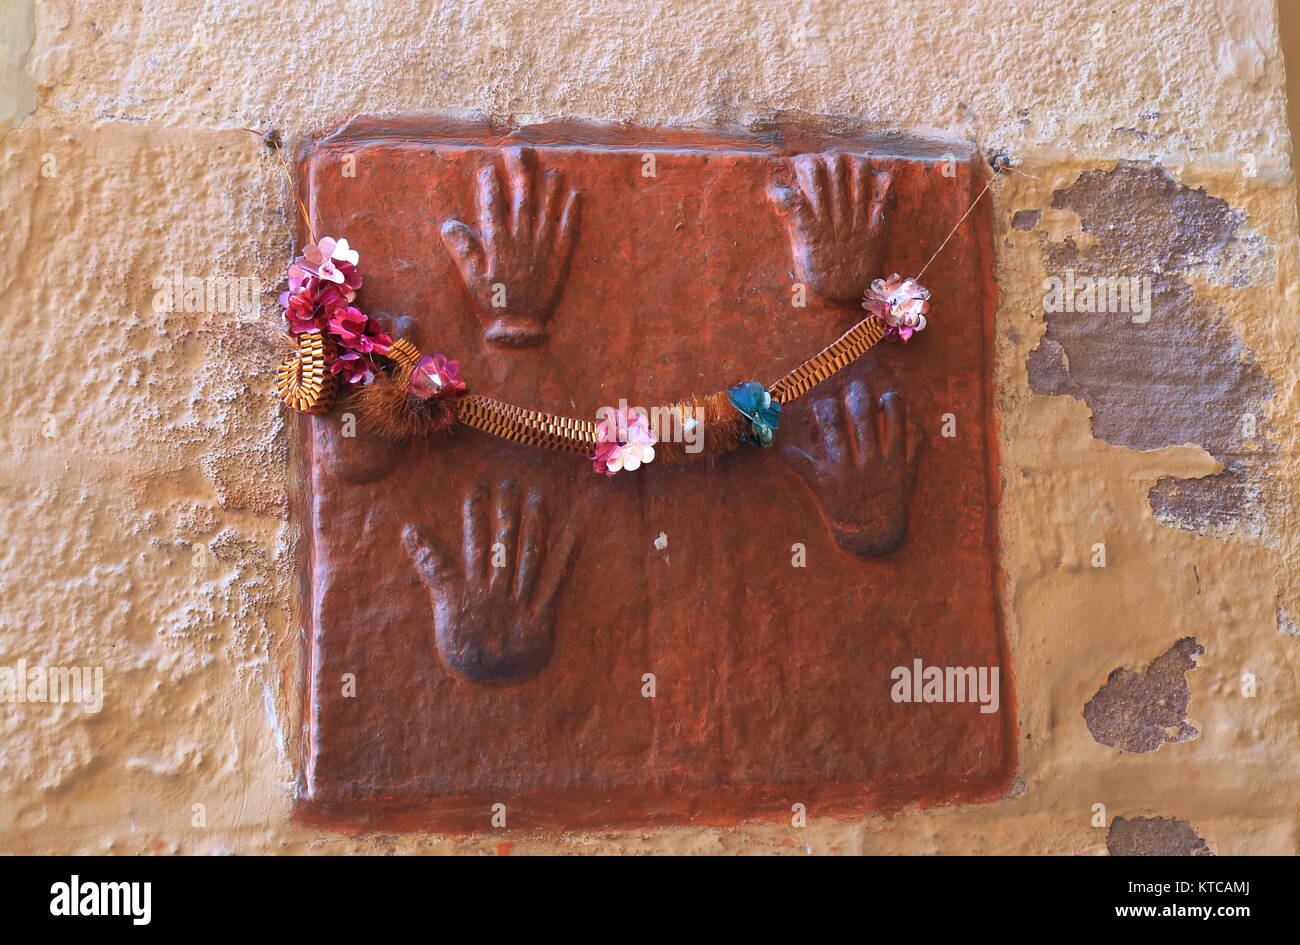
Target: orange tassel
pixel 387 408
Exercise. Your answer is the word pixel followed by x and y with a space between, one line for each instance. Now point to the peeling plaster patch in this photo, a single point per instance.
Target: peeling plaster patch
pixel 17 90
pixel 1050 366
pixel 1183 376
pixel 1025 219
pixel 1228 503
pixel 1140 711
pixel 1154 836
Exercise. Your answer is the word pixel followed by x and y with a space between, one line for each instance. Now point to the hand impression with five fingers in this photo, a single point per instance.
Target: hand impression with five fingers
pixel 835 218
pixel 859 459
pixel 515 261
pixel 494 610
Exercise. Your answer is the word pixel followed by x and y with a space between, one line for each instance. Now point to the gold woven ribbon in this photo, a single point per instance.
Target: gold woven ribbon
pixel 550 431
pixel 305 384
pixel 304 381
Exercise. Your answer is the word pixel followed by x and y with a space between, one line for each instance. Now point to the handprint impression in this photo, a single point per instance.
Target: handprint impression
pixel 859 459
pixel 494 614
pixel 836 222
pixel 514 264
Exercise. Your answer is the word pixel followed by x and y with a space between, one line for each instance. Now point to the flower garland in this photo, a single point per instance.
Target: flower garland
pixel 408 393
pixel 323 283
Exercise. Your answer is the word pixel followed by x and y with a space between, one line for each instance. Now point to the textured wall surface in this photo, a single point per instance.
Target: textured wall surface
pixel 146 467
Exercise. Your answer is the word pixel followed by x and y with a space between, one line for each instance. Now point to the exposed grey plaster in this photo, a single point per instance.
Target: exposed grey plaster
pixel 1154 836
pixel 1174 373
pixel 1140 711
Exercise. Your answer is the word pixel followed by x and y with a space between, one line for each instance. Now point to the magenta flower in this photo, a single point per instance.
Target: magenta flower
pixel 322 283
pixel 900 303
pixel 436 377
pixel 355 368
pixel 355 331
pixel 624 441
pixel 301 311
pixel 332 298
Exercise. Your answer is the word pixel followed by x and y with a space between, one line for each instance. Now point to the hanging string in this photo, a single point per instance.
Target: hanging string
pixel 1000 165
pixel 272 140
pixel 954 230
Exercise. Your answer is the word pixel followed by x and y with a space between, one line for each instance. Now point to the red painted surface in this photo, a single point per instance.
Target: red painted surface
pixel 773 682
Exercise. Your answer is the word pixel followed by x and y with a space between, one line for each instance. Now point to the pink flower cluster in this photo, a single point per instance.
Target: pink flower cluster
pixel 624 441
pixel 900 303
pixel 435 376
pixel 323 283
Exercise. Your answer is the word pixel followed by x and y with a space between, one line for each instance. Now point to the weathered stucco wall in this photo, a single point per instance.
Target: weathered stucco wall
pixel 144 485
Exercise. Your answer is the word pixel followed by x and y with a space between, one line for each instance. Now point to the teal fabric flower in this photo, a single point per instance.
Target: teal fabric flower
pixel 762 412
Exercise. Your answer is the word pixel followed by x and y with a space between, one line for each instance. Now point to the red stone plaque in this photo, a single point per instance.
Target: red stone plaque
pixel 700 642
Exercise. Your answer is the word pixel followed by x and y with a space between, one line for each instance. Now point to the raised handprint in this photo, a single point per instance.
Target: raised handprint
pixel 859 459
pixel 515 261
pixel 835 218
pixel 494 610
